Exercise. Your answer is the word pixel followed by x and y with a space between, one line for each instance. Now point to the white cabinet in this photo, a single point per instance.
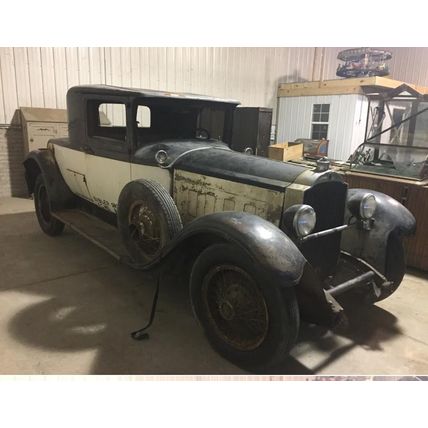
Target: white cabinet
pixel 42 124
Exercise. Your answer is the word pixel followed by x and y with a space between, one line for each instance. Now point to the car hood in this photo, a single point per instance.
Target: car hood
pixel 216 159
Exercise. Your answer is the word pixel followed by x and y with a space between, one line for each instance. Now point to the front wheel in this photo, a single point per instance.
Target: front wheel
pixel 248 319
pixel 42 203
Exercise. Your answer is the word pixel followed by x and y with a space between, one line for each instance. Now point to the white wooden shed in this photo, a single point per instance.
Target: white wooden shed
pixel 336 110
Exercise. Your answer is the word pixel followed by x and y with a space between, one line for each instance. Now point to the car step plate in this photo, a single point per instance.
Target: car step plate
pixel 97 231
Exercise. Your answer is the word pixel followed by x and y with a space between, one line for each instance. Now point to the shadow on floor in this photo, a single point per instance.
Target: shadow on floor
pixel 369 327
pixel 70 321
pixel 98 309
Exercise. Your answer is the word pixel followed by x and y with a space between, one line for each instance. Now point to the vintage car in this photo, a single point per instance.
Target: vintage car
pixel 264 243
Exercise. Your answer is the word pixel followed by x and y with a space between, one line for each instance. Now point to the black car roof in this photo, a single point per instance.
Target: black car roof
pixel 150 93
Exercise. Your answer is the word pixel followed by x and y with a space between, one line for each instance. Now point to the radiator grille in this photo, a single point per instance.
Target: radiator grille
pixel 328 199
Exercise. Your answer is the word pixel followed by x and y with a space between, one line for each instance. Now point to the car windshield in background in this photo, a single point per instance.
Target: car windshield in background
pixel 402 161
pixel 159 120
pixel 405 123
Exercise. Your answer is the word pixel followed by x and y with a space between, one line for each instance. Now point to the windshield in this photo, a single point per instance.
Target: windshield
pixel 158 120
pixel 398 121
pixel 396 160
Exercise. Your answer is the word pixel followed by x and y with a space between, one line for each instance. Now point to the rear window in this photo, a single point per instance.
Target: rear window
pixel 107 120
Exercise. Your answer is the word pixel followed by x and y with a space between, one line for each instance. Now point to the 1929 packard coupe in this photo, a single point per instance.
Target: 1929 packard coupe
pixel 265 243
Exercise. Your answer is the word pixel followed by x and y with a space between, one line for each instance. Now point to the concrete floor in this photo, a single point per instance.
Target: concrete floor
pixel 66 307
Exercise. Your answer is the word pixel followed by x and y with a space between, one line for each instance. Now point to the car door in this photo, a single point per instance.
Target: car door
pixel 142 124
pixel 107 151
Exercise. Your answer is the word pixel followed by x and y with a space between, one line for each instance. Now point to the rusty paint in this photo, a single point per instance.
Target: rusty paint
pixel 197 195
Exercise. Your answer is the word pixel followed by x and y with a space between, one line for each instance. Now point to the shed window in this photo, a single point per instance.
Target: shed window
pixel 320 119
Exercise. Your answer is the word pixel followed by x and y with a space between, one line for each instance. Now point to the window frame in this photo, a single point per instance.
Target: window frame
pixel 104 146
pixel 320 122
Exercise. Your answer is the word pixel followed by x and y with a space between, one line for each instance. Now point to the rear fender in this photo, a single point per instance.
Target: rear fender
pixel 43 162
pixel 371 245
pixel 271 250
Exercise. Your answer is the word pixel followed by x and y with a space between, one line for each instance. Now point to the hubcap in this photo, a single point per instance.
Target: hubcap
pixel 145 228
pixel 235 307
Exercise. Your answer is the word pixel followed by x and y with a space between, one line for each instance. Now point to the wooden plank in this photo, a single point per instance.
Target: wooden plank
pixel 304 92
pixel 403 180
pixel 362 81
pixel 341 86
pixel 370 81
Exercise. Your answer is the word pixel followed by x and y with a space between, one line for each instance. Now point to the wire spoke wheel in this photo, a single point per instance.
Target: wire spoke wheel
pixel 235 306
pixel 144 228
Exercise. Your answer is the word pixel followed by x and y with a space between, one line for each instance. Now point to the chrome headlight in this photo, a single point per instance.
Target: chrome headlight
pixel 367 206
pixel 300 219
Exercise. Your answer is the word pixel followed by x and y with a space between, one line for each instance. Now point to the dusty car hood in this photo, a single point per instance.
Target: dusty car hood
pixel 216 159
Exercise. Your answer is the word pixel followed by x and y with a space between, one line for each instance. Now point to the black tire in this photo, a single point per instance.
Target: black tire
pixel 42 203
pixel 277 317
pixel 147 219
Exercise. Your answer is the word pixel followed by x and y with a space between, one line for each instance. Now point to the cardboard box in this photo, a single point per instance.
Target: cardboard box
pixel 285 151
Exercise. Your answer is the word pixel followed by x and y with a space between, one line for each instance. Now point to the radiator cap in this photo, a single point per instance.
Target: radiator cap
pixel 323 164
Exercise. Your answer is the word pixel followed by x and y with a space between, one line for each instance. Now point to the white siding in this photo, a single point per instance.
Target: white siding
pixel 40 77
pixel 347 122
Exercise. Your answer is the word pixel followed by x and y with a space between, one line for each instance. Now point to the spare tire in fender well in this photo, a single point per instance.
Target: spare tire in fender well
pixel 147 219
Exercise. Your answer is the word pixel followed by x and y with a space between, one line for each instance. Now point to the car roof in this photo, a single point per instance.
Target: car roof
pixel 149 93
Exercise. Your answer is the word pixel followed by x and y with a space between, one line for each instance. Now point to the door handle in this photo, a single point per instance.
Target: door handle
pixel 88 149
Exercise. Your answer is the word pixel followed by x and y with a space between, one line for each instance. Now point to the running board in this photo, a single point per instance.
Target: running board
pixel 100 233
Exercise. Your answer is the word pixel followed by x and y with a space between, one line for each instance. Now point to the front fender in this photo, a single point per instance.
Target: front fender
pixel 370 245
pixel 43 161
pixel 268 246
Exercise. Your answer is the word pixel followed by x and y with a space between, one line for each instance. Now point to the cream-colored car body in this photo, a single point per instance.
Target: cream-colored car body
pixel 100 180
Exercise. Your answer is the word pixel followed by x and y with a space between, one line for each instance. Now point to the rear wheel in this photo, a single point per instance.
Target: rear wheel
pixel 247 319
pixel 42 202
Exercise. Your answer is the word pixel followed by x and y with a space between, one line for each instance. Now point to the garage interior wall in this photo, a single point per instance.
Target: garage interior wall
pixel 40 77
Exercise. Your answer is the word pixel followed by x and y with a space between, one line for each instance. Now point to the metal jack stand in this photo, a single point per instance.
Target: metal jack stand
pixel 141 334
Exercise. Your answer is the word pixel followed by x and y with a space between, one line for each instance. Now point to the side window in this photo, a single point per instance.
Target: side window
pixel 143 117
pixel 107 120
